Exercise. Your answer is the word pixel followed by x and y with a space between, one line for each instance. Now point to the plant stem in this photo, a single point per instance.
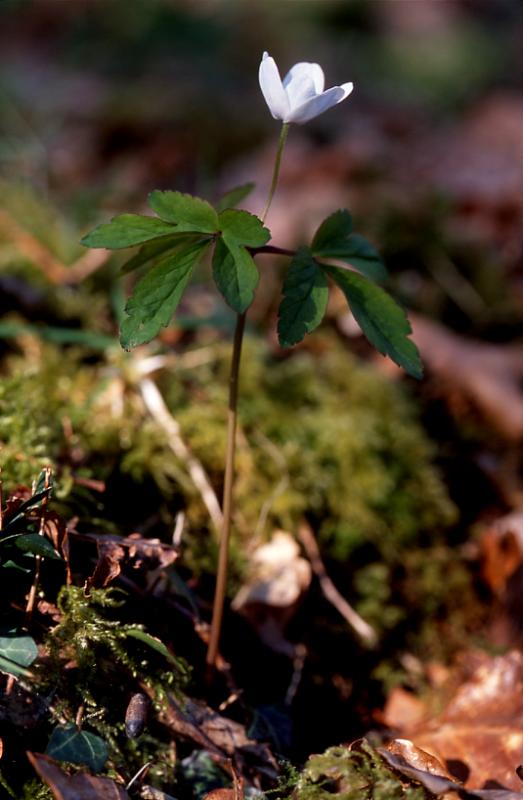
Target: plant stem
pixel 232 416
pixel 276 172
pixel 223 557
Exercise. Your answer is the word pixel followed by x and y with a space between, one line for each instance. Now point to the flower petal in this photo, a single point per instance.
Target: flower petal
pixel 272 88
pixel 317 105
pixel 299 91
pixel 306 68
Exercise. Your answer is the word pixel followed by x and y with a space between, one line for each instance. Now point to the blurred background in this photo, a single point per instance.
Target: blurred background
pixel 102 101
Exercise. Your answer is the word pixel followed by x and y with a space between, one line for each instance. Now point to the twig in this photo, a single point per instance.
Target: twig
pixel 141 772
pixel 300 654
pixel 362 628
pixel 79 717
pixel 155 404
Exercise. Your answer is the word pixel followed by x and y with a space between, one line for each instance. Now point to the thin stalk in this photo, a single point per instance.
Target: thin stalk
pixel 276 172
pixel 223 556
pixel 232 417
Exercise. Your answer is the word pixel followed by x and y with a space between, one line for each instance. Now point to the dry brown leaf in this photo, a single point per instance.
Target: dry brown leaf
pixel 220 794
pixel 487 376
pixel 479 734
pixel 279 577
pixel 75 787
pixel 55 528
pixel 220 736
pixel 417 757
pixel 108 567
pixel 435 783
pixel 403 710
pixel 501 547
pixel 502 550
pixel 150 553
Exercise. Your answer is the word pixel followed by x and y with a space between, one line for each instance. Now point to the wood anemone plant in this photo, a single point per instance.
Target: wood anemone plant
pixel 185 228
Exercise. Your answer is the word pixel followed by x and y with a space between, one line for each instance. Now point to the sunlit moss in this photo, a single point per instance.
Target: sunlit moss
pixel 358 774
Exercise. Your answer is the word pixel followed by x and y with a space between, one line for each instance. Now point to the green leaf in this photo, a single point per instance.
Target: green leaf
pixel 37 545
pixel 235 274
pixel 17 653
pixel 240 227
pixel 152 250
pixel 10 564
pixel 333 232
pixel 153 643
pixel 231 198
pixel 334 239
pixel 157 294
pixel 380 318
pixel 305 296
pixel 68 743
pixel 126 230
pixel 22 510
pixel 188 213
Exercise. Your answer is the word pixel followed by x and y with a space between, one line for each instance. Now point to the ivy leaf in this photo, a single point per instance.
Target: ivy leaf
pixel 36 545
pixel 380 318
pixel 334 239
pixel 17 653
pixel 188 213
pixel 305 296
pixel 235 274
pixel 152 250
pixel 242 228
pixel 157 294
pixel 126 230
pixel 68 743
pixel 231 198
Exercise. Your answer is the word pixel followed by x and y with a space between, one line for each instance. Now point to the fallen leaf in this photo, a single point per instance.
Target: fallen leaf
pixel 55 528
pixel 108 567
pixel 501 550
pixel 418 758
pixel 403 710
pixel 220 736
pixel 75 787
pixel 479 734
pixel 278 579
pixel 437 784
pixel 486 376
pixel 150 553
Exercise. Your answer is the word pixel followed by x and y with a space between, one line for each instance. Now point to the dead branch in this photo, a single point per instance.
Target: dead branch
pixel 155 404
pixel 362 628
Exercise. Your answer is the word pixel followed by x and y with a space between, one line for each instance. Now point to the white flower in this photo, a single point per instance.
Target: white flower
pixel 300 97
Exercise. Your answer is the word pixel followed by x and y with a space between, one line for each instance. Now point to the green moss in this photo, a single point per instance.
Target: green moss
pixel 34 790
pixel 321 437
pixel 358 774
pixel 95 661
